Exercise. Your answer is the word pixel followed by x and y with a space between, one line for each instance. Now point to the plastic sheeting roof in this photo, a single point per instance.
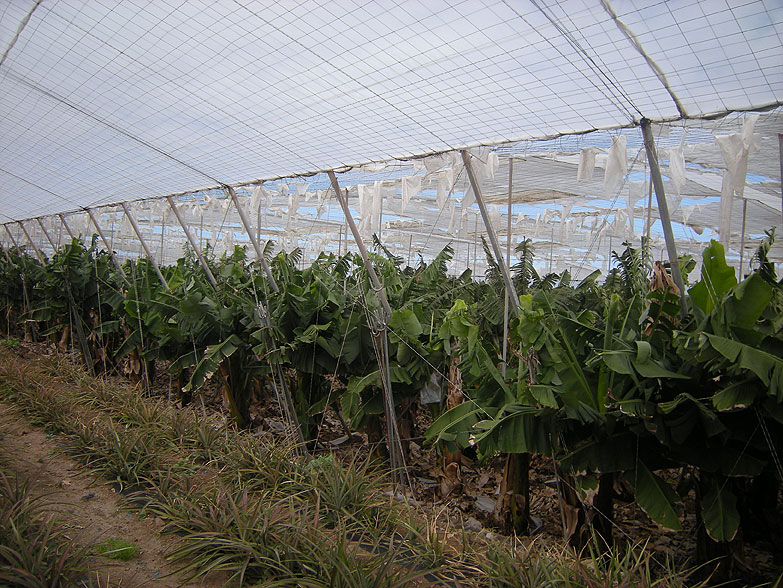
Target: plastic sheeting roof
pixel 104 101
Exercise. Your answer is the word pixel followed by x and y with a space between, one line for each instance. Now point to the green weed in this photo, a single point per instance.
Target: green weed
pixel 115 548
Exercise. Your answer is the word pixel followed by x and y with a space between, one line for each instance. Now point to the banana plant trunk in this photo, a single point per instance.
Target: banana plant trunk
pixel 513 509
pixel 572 511
pixel 405 423
pixel 580 521
pixel 603 511
pixel 237 398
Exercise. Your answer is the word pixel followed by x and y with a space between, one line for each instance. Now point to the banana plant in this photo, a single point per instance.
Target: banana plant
pixel 734 351
pixel 144 319
pixel 317 329
pixel 81 289
pixel 212 329
pixel 571 366
pixel 420 298
pixel 19 272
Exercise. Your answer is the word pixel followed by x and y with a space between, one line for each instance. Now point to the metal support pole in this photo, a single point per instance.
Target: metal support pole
pixel 46 234
pixel 192 242
pixel 780 158
pixel 649 208
pixel 380 334
pixel 376 283
pixel 663 210
pixel 162 236
pixel 256 246
pixel 136 230
pixel 340 243
pixel 742 236
pixel 35 248
pixel 508 260
pixel 65 224
pixel 493 238
pixel 106 243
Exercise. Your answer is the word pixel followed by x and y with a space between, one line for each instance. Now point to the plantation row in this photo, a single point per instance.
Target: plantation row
pixel 616 381
pixel 247 505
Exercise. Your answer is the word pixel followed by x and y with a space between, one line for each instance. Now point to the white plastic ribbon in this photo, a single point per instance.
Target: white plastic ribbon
pixel 584 172
pixel 735 149
pixel 616 165
pixel 411 186
pixel 445 185
pixel 677 169
pixel 452 218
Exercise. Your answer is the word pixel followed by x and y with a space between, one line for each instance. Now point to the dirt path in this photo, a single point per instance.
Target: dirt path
pixel 90 507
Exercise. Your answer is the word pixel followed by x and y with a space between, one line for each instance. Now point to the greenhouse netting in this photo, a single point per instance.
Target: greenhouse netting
pixel 112 103
pixel 534 234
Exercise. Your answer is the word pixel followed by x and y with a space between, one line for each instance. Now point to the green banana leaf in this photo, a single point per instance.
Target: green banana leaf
pixel 656 498
pixel 719 509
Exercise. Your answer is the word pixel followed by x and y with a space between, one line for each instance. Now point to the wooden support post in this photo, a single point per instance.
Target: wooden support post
pixel 35 248
pixel 116 261
pixel 493 239
pixel 663 211
pixel 46 234
pixel 11 235
pixel 67 228
pixel 134 224
pixel 192 242
pixel 376 283
pixel 5 249
pixel 256 245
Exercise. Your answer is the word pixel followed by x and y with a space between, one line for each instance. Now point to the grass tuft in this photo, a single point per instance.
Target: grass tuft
pixel 115 548
pixel 34 551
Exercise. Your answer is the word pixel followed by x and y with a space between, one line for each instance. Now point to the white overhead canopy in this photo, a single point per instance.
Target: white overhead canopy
pixel 104 101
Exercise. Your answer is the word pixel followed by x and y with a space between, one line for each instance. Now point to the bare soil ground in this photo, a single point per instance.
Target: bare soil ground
pixel 90 508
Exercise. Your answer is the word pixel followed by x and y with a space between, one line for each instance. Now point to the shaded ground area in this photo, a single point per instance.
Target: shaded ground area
pixel 90 508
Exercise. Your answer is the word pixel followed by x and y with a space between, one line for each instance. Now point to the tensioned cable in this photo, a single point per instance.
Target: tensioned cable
pixel 606 70
pixel 346 73
pixel 171 80
pixel 19 30
pixel 610 97
pixel 659 73
pixel 605 78
pixel 21 179
pixel 94 117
